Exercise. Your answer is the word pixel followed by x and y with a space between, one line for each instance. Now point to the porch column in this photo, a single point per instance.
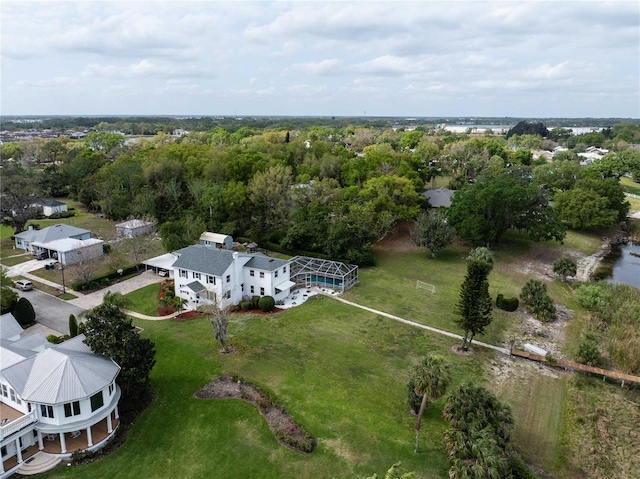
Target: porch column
pixel 2 462
pixel 19 452
pixel 116 410
pixel 63 444
pixel 109 425
pixel 40 443
pixel 89 437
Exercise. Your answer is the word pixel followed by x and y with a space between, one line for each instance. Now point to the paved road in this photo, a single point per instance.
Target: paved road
pixel 51 311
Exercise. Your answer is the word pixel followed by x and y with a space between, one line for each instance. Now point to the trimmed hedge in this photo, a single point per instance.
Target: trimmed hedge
pixel 507 304
pixel 104 280
pixel 267 304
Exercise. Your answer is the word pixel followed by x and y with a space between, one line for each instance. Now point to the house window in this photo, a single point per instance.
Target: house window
pixel 252 290
pixel 97 401
pixel 196 275
pixel 4 450
pixel 46 411
pixel 183 273
pixel 252 272
pixel 14 396
pixel 242 287
pixel 261 291
pixel 276 274
pixel 111 388
pixel 227 295
pixel 211 280
pixel 3 390
pixel 228 278
pixel 262 274
pixel 284 270
pixel 72 409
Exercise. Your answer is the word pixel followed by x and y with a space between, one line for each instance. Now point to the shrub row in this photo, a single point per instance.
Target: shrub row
pixel 103 280
pixel 507 304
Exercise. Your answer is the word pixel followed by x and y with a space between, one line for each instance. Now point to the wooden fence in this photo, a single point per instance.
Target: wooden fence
pixel 577 367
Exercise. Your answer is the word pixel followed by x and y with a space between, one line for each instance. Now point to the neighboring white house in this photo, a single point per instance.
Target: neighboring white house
pixel 209 275
pixel 217 240
pixel 53 398
pixel 65 243
pixel 133 228
pixel 51 206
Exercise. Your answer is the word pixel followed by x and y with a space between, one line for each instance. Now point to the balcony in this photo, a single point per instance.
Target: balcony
pixel 16 420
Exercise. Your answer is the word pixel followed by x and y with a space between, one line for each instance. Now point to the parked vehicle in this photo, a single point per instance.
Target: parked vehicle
pixel 42 255
pixel 24 284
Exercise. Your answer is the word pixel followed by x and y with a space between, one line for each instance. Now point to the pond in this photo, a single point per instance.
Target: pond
pixel 622 265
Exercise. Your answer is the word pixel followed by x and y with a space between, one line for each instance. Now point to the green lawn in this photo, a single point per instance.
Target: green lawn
pixel 144 300
pixel 339 371
pixel 630 186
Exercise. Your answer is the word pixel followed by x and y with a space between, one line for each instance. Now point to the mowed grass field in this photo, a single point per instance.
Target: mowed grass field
pixel 339 371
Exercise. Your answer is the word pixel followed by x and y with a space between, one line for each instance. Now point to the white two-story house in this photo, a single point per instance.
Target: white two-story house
pixel 208 275
pixel 53 398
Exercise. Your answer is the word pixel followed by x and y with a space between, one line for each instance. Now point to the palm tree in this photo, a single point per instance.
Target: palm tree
pixel 431 379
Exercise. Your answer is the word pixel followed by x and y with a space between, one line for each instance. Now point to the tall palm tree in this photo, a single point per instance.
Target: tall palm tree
pixel 431 379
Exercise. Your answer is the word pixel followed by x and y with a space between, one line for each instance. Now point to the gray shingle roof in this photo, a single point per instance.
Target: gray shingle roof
pixel 263 262
pixel 48 202
pixel 51 233
pixel 68 372
pixel 196 286
pixel 439 197
pixel 204 259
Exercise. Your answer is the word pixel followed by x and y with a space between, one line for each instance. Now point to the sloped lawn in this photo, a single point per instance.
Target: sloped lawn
pixel 340 372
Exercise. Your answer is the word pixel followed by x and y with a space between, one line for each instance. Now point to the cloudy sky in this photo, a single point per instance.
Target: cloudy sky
pixel 334 58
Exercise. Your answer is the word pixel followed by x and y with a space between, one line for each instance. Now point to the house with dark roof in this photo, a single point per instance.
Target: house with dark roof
pixel 439 198
pixel 205 274
pixel 54 399
pixel 50 206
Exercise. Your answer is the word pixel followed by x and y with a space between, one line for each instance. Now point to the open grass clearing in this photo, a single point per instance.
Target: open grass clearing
pixel 630 186
pixel 16 259
pixel 339 371
pixel 144 300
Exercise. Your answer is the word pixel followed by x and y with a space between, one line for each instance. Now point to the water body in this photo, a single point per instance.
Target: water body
pixel 621 265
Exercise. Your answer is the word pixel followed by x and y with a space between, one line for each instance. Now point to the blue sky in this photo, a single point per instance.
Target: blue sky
pixel 333 58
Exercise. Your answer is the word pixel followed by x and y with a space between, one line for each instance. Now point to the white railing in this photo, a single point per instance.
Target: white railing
pixel 16 425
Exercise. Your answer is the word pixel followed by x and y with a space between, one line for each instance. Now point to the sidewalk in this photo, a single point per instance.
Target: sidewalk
pixel 422 326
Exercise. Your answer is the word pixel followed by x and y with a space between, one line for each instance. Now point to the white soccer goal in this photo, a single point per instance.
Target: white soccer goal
pixel 427 286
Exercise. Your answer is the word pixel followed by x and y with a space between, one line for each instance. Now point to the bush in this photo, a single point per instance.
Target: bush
pixel 593 297
pixel 413 399
pixel 538 302
pixel 24 313
pixel 507 304
pixel 519 470
pixel 588 353
pixel 246 305
pixel 73 326
pixel 564 267
pixel 63 214
pixel 255 300
pixel 267 303
pixel 52 338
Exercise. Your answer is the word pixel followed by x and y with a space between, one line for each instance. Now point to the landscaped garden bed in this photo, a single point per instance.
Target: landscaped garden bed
pixel 284 428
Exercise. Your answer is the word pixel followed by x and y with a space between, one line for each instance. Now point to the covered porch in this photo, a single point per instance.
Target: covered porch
pixel 12 461
pixel 87 438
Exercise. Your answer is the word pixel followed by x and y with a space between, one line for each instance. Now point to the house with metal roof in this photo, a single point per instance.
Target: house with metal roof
pixel 54 399
pixel 216 240
pixel 133 228
pixel 206 274
pixel 63 242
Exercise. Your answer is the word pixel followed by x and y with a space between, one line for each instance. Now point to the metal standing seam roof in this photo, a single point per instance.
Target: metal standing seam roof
pixel 214 237
pixel 204 259
pixel 48 202
pixel 52 233
pixel 265 263
pixel 61 374
pixel 133 224
pixel 64 245
pixel 9 326
pixel 11 354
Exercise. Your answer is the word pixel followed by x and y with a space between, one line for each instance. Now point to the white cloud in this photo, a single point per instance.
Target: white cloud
pixel 327 55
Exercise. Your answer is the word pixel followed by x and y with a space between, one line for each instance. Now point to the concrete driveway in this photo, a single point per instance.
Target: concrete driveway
pixel 26 267
pixel 91 300
pixel 51 311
